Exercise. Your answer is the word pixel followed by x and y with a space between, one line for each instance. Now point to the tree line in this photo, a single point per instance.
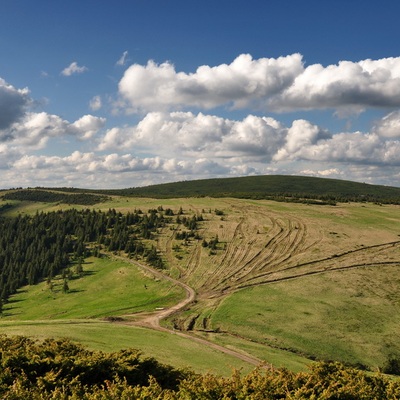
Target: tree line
pixel 86 199
pixel 38 247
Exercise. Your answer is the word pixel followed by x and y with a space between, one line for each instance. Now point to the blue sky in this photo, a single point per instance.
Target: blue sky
pixel 130 93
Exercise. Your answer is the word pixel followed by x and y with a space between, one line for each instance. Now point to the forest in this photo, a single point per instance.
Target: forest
pixel 33 248
pixel 87 199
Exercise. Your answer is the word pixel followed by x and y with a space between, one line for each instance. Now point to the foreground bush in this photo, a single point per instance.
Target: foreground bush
pixel 60 369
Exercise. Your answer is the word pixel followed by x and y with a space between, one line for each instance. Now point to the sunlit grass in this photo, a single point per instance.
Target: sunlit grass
pixel 108 287
pixel 351 316
pixel 166 347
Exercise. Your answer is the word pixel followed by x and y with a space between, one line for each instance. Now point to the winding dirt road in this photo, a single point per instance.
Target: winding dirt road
pixel 152 321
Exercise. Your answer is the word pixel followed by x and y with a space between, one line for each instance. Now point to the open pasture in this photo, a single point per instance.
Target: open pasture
pixel 322 256
pixel 109 287
pixel 285 282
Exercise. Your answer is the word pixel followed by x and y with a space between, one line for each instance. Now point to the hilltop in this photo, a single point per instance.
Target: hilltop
pixel 275 187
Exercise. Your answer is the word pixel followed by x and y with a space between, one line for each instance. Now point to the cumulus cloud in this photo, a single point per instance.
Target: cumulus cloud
pixel 346 147
pixel 252 141
pixel 363 84
pixel 276 84
pixel 35 129
pixel 102 169
pixel 172 150
pixel 13 104
pixel 185 133
pixel 301 135
pixel 73 69
pixel 86 127
pixel 389 126
pixel 245 80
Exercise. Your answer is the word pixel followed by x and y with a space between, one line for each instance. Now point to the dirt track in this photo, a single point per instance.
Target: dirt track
pixel 152 320
pixel 258 246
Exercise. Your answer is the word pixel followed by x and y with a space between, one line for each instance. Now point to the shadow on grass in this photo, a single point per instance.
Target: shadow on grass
pixel 75 291
pixel 12 301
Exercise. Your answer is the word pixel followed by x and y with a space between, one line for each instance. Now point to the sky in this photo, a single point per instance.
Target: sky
pixel 107 95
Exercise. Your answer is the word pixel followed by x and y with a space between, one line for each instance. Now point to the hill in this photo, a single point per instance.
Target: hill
pixel 282 282
pixel 276 187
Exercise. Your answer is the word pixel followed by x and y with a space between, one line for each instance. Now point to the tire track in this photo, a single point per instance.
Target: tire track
pixel 328 263
pixel 153 321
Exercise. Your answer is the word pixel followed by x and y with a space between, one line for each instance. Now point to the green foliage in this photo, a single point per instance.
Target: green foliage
pixel 54 197
pixel 36 247
pixel 60 369
pixel 62 365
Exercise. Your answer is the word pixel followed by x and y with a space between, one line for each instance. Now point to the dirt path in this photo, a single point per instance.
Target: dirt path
pixel 152 321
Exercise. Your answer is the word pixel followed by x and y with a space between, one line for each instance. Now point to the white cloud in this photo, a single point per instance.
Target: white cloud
pixel 389 126
pixel 331 172
pixel 73 69
pixel 95 103
pixel 122 60
pixel 363 84
pixel 34 130
pixel 249 145
pixel 188 134
pixel 87 126
pixel 300 135
pixel 244 81
pixel 281 84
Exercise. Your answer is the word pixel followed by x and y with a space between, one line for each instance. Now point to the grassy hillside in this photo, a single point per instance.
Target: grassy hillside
pixel 269 186
pixel 286 283
pixel 276 187
pixel 109 287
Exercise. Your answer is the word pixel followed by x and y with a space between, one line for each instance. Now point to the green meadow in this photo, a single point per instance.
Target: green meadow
pixel 109 287
pixel 350 315
pixel 166 347
pixel 115 288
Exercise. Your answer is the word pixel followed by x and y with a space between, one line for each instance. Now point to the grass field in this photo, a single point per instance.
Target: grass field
pixel 352 316
pixel 287 283
pixel 167 348
pixel 109 288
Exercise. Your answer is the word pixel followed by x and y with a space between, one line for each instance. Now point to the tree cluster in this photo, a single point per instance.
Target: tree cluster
pixel 60 369
pixel 33 248
pixel 46 196
pixel 191 224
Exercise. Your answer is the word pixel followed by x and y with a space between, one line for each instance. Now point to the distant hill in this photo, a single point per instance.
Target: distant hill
pixel 37 195
pixel 277 187
pixel 272 187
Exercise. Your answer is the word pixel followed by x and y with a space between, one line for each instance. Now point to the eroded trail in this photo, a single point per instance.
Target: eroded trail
pixel 152 320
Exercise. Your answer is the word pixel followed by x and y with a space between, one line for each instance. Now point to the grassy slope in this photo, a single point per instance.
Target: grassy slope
pixel 165 347
pixel 262 185
pixel 110 288
pixel 352 316
pixel 343 313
